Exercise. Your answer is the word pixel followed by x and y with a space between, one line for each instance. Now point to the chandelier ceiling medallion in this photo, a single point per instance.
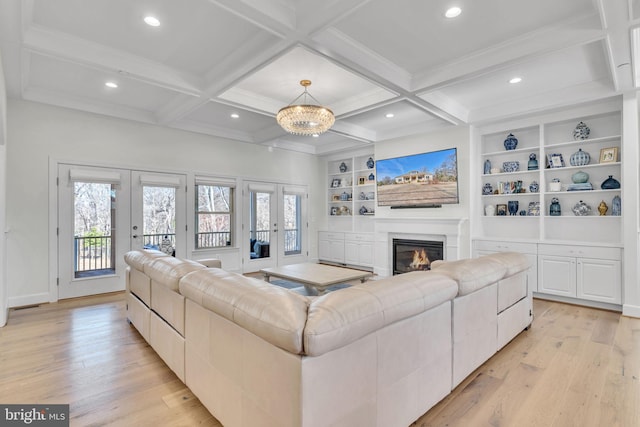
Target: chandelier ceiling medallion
pixel 305 118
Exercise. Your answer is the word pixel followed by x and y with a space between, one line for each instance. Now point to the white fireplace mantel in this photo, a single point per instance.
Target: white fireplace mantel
pixel 447 230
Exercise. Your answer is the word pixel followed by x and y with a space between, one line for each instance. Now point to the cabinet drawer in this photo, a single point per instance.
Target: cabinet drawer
pixel 330 235
pixel 496 246
pixel 359 237
pixel 580 251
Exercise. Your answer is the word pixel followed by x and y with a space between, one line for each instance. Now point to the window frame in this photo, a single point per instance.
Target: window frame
pixel 208 182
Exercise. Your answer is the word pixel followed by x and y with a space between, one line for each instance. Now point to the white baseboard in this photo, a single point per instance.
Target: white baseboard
pixel 33 299
pixel 631 310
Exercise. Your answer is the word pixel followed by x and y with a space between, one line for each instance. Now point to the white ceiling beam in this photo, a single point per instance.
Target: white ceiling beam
pixel 616 21
pixel 273 16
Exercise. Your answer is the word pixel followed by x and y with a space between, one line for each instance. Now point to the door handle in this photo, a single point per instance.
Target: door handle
pixel 135 236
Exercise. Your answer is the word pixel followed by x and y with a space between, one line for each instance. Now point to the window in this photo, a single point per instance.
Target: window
pixel 214 215
pixel 292 234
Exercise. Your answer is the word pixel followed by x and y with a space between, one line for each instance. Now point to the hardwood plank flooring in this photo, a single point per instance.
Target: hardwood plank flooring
pixel 576 366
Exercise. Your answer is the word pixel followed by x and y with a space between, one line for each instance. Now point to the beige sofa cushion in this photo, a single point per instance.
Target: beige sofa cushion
pixel 137 259
pixel 168 270
pixel 273 313
pixel 471 274
pixel 513 261
pixel 341 317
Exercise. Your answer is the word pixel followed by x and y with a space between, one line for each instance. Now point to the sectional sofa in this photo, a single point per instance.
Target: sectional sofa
pixel 379 353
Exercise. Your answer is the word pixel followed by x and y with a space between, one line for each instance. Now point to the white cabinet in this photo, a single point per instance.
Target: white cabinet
pixel 358 249
pixel 346 248
pixel 331 247
pixel 585 272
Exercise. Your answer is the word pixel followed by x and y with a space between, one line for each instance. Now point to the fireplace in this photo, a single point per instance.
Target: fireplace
pixel 415 255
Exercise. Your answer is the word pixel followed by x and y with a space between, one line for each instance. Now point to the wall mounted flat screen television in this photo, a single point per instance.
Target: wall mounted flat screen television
pixel 418 180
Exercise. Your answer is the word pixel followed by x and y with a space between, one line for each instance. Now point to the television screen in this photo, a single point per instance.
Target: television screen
pixel 418 180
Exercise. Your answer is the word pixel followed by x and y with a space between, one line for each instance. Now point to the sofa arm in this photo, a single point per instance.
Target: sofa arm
pixel 210 262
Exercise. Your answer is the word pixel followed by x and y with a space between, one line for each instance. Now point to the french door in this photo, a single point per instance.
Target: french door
pixel 93 229
pixel 274 225
pixel 158 212
pixel 105 212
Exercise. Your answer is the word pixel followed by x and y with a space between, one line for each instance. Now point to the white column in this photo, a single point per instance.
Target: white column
pixel 631 183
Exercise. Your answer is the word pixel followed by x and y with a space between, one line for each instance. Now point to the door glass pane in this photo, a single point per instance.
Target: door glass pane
pixel 214 208
pixel 260 220
pixel 292 242
pixel 159 218
pixel 94 229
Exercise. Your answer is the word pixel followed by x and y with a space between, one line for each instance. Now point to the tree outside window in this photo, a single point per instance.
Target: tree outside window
pixel 214 212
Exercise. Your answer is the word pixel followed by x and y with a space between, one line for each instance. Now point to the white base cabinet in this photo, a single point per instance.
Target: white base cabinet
pixel 530 250
pixel 584 272
pixel 346 248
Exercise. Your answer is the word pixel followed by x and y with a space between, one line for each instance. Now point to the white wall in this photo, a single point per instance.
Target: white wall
pixel 3 204
pixel 38 133
pixel 458 137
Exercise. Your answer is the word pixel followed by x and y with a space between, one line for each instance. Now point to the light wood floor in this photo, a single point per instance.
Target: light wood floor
pixel 575 367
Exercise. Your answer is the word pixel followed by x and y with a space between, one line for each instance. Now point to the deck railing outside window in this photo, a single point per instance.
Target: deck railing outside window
pixel 92 253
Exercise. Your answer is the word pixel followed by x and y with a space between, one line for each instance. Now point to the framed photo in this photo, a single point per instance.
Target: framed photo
pixel 336 183
pixel 361 180
pixel 334 211
pixel 555 160
pixel 501 210
pixel 335 198
pixel 609 155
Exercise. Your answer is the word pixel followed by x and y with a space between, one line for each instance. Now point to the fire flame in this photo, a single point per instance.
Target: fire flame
pixel 420 260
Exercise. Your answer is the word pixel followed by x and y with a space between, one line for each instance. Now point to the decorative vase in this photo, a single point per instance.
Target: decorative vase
pixel 532 164
pixel 554 208
pixel 610 183
pixel 487 167
pixel 581 209
pixel 363 210
pixel 579 158
pixel 511 142
pixel 489 210
pixel 370 163
pixel 581 131
pixel 603 208
pixel 344 196
pixel 616 208
pixel 487 189
pixel 371 177
pixel 343 167
pixel 512 206
pixel 534 187
pixel 555 185
pixel 518 187
pixel 580 177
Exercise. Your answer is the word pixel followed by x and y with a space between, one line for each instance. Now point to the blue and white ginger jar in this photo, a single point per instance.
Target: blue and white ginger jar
pixel 511 142
pixel 581 131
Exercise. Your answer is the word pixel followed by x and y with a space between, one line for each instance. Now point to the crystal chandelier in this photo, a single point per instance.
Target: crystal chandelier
pixel 305 118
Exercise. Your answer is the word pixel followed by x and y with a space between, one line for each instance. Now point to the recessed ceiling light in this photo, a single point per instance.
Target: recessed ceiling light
pixel 515 80
pixel 389 115
pixel 112 85
pixel 152 21
pixel 235 115
pixel 453 12
pixel 315 135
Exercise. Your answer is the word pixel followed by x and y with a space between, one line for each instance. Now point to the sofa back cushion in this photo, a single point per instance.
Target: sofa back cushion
pixel 137 259
pixel 513 261
pixel 273 313
pixel 343 316
pixel 471 274
pixel 168 270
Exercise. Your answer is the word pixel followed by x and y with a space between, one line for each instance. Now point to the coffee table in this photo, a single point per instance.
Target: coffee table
pixel 316 278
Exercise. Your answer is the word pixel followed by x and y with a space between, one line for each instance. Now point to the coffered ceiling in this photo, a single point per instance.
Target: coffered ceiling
pixel 210 59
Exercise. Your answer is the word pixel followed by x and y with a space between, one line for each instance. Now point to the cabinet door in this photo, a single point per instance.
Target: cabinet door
pixel 351 253
pixel 557 275
pixel 366 254
pixel 324 249
pixel 336 249
pixel 599 280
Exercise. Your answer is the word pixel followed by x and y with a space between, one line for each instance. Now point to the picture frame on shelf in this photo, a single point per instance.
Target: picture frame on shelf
pixel 334 210
pixel 501 210
pixel 335 198
pixel 336 183
pixel 555 160
pixel 609 155
pixel 361 180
